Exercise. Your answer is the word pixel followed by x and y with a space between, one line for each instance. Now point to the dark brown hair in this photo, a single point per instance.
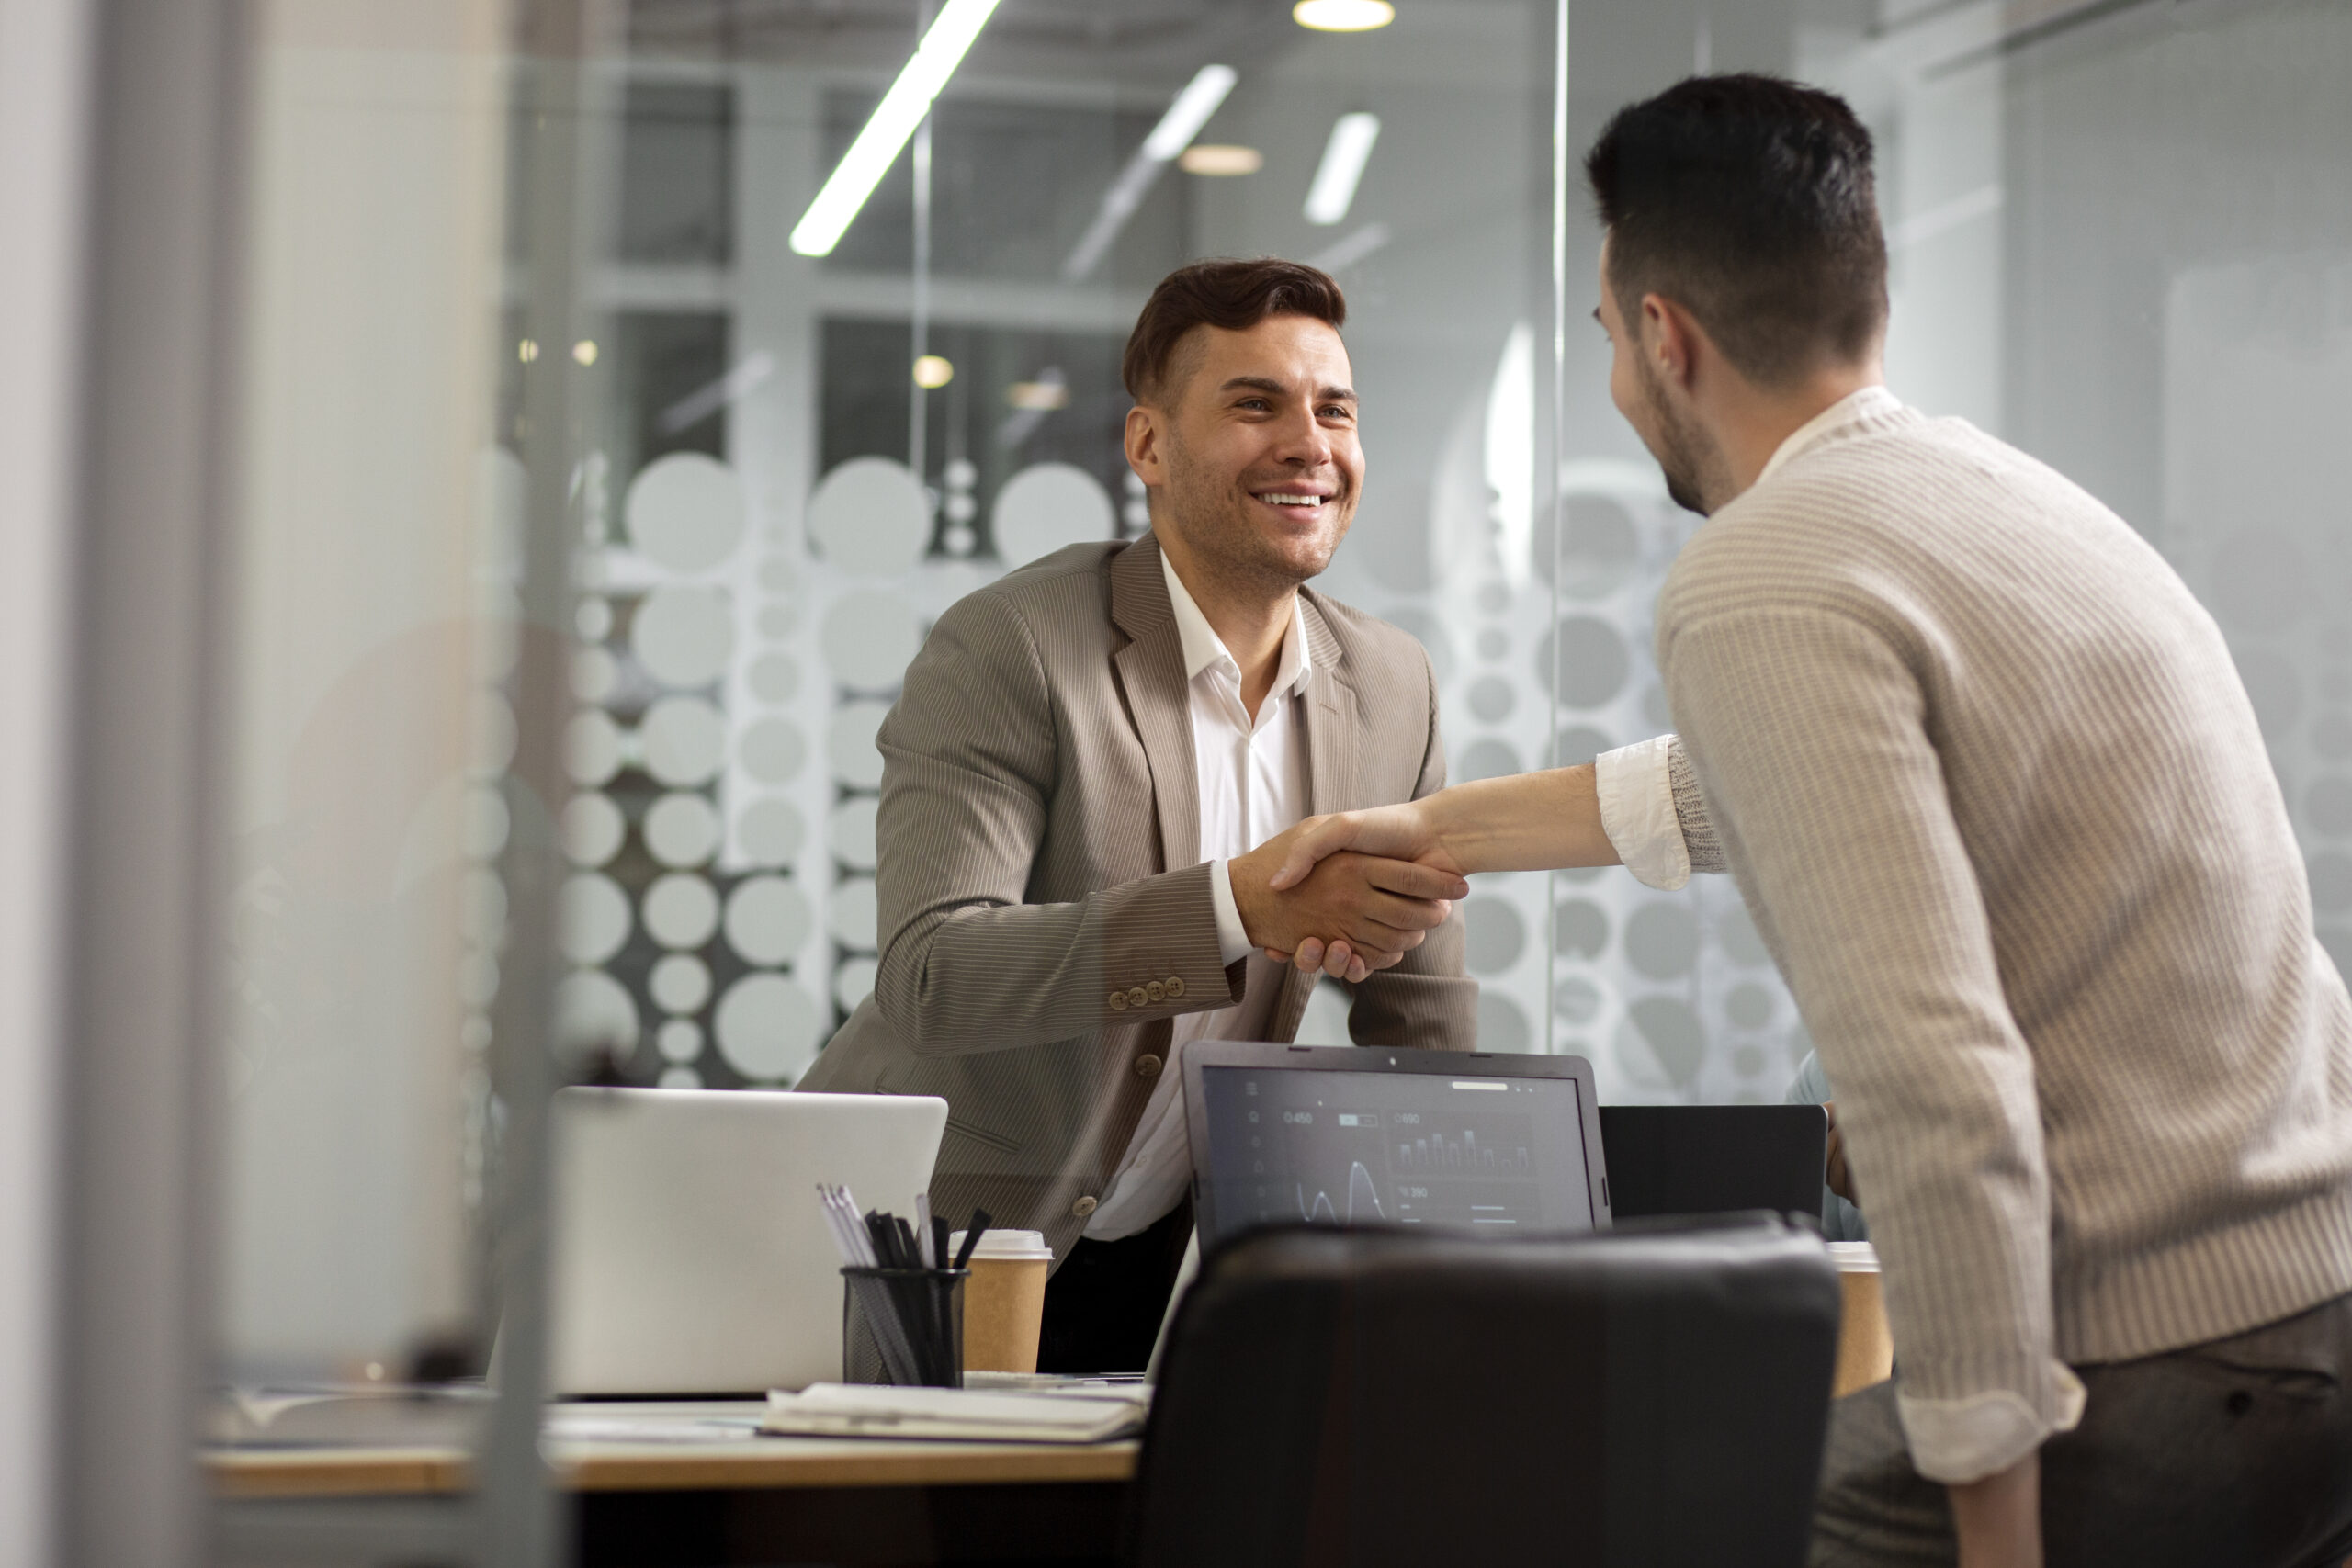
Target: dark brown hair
pixel 1749 201
pixel 1234 295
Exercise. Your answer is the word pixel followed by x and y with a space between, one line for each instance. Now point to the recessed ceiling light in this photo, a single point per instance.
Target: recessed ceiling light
pixel 931 372
pixel 1216 158
pixel 1343 16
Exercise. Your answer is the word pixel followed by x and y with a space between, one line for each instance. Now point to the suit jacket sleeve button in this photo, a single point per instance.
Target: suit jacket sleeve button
pixel 1138 996
pixel 1147 1067
pixel 1175 987
pixel 1157 991
pixel 1118 1001
pixel 1082 1208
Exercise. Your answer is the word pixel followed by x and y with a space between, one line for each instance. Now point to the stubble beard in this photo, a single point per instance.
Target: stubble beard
pixel 1228 543
pixel 1693 464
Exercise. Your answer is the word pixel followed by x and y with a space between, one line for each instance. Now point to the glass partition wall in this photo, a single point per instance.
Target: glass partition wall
pixel 594 499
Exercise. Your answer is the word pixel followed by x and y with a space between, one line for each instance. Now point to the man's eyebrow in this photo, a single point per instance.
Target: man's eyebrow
pixel 1268 384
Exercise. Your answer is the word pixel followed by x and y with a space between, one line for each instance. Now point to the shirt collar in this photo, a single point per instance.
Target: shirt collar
pixel 1851 408
pixel 1204 649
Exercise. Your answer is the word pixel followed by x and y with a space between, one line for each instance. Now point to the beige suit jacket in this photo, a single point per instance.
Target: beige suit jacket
pixel 1045 911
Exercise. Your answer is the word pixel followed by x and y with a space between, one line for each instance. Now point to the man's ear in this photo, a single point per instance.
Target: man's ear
pixel 1672 340
pixel 1143 445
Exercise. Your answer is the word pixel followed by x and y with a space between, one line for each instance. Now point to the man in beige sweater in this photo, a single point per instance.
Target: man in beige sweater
pixel 1995 797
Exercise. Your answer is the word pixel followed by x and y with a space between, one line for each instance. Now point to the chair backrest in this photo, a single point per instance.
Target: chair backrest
pixel 1656 1394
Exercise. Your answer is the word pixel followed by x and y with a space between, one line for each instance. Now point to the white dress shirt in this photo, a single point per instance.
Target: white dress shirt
pixel 1252 779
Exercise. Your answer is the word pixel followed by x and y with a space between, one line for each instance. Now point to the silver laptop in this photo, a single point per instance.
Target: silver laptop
pixel 690 1254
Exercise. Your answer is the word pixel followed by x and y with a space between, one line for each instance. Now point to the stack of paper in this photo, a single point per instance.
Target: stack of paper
pixel 1092 1413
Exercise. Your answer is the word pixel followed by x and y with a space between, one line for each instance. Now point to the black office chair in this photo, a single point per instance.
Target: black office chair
pixel 1655 1395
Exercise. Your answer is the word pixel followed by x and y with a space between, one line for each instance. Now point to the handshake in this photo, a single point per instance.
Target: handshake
pixel 1347 893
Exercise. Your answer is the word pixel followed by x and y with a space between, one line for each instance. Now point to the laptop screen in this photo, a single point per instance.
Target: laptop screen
pixel 1490 1152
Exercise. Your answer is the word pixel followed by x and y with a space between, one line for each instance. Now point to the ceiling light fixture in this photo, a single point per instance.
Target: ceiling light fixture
pixel 1343 16
pixel 1334 190
pixel 1208 158
pixel 1167 140
pixel 931 372
pixel 893 121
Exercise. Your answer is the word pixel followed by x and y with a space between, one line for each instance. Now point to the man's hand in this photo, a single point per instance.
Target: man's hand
pixel 1382 909
pixel 1399 832
pixel 1998 1520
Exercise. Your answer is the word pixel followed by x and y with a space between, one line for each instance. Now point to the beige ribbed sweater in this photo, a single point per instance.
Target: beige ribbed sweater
pixel 1995 796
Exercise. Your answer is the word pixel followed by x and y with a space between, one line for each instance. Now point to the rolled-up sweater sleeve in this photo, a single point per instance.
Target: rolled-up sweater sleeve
pixel 1654 815
pixel 1807 727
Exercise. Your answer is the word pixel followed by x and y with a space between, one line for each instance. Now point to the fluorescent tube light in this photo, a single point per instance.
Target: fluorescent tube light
pixel 1174 132
pixel 1334 190
pixel 1191 111
pixel 895 119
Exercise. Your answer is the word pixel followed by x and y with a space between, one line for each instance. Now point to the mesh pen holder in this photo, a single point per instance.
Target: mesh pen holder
pixel 903 1326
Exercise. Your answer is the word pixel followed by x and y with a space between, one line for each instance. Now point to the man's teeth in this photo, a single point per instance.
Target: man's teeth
pixel 1279 500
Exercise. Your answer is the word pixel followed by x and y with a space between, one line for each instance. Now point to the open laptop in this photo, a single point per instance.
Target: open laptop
pixel 691 1254
pixel 1340 1134
pixel 1707 1160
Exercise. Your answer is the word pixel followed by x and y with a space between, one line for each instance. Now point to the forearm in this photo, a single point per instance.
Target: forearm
pixel 960 977
pixel 1998 1520
pixel 1522 822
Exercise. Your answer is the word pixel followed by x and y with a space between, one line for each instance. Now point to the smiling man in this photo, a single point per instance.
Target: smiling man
pixel 1084 753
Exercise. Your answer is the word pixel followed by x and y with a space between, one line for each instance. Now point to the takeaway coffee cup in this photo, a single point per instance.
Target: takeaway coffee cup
pixel 1004 1301
pixel 1865 1349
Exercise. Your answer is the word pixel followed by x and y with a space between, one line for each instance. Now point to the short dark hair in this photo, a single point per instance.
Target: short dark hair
pixel 1234 295
pixel 1750 201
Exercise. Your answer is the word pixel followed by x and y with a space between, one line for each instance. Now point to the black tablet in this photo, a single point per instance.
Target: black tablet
pixel 1342 1135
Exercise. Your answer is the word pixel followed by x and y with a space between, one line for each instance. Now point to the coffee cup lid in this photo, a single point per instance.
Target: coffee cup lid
pixel 1019 1246
pixel 1854 1257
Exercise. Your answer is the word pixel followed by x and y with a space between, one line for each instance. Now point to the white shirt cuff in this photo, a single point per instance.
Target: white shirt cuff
pixel 1231 939
pixel 1959 1440
pixel 1637 812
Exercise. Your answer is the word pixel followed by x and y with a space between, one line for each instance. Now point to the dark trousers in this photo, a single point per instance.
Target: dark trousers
pixel 1104 1303
pixel 2238 1453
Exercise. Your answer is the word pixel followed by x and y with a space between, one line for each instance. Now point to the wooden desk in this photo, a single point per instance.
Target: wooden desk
pixel 752 1499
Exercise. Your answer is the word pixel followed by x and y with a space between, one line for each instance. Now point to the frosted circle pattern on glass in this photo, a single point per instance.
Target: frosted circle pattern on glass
pixel 594 674
pixel 871 516
pixel 1488 759
pixel 1497 934
pixel 1749 1007
pixel 854 982
pixel 1666 1030
pixel 767 921
pixel 1423 628
pixel 591 748
pixel 684 740
pixel 1580 929
pixel 680 1041
pixel 869 638
pixel 685 510
pixel 850 834
pixel 1599 552
pixel 679 982
pixel 593 921
pixel 683 635
pixel 1662 941
pixel 594 1015
pixel 775 678
pixel 680 910
pixel 769 831
pixel 681 829
pixel 772 750
pixel 1577 999
pixel 1491 699
pixel 1593 661
pixel 1502 1026
pixel 851 915
pixel 484 821
pixel 850 745
pixel 1046 506
pixel 1577 744
pixel 679 1077
pixel 767 1028
pixel 1742 942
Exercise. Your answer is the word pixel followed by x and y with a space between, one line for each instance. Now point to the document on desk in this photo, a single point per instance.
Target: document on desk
pixel 1092 1413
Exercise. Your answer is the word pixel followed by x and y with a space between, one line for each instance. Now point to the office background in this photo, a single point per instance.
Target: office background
pixel 2121 237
